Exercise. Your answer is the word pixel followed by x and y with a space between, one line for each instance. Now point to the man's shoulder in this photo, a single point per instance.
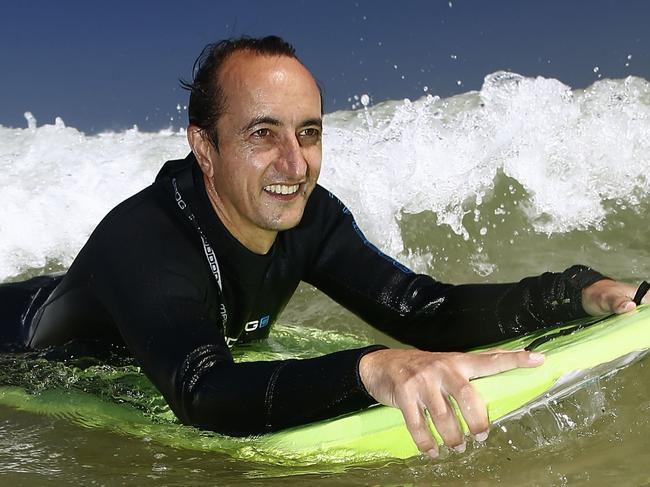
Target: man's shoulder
pixel 144 203
pixel 324 201
pixel 154 201
pixel 146 218
pixel 145 232
pixel 323 210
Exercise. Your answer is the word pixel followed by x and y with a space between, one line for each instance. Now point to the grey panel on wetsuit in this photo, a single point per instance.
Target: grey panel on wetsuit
pixel 69 315
pixel 19 302
pixel 43 312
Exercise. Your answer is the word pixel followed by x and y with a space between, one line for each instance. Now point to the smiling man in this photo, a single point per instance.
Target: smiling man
pixel 211 252
pixel 263 165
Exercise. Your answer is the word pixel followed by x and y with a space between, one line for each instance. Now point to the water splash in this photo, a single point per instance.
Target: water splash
pixel 570 152
pixel 58 183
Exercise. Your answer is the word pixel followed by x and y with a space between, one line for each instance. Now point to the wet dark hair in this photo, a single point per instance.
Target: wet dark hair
pixel 207 98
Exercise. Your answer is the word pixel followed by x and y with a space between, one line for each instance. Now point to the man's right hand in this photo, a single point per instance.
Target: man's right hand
pixel 413 380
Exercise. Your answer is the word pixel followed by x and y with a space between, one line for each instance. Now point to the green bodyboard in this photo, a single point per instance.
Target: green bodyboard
pixel 378 432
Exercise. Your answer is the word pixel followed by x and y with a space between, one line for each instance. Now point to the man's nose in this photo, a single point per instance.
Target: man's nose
pixel 292 161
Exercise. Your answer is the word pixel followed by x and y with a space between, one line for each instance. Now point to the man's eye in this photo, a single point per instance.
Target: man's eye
pixel 311 132
pixel 261 133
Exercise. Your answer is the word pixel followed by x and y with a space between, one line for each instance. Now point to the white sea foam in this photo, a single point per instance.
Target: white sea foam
pixel 57 184
pixel 570 150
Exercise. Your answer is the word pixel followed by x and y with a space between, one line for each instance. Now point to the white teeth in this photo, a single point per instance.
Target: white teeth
pixel 282 188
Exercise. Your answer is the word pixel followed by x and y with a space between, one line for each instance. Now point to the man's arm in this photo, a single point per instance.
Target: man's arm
pixel 170 323
pixel 413 380
pixel 435 316
pixel 420 311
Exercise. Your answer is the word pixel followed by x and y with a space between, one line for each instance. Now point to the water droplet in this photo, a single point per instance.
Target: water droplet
pixel 31 120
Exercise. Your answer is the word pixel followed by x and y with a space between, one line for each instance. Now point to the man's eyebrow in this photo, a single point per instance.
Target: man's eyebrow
pixel 262 119
pixel 313 121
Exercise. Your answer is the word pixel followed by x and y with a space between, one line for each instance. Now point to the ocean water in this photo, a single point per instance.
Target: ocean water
pixel 524 176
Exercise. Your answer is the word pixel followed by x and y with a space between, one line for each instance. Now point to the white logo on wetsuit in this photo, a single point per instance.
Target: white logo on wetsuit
pixel 254 325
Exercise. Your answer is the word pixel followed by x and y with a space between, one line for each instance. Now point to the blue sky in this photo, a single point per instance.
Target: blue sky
pixel 109 65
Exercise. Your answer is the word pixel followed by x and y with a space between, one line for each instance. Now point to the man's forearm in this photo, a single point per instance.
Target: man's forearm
pixel 259 397
pixel 472 315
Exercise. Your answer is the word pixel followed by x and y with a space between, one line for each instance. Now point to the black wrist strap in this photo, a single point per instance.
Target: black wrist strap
pixel 641 292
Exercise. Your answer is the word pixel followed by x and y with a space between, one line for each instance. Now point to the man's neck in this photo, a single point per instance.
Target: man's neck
pixel 258 241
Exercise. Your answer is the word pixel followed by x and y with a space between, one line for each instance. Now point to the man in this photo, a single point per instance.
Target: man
pixel 211 252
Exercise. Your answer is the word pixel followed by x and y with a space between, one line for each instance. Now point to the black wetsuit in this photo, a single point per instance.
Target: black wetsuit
pixel 143 280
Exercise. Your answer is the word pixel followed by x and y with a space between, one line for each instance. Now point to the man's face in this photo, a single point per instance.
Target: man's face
pixel 269 143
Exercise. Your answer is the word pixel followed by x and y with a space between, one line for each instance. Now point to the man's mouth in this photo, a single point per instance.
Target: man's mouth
pixel 282 189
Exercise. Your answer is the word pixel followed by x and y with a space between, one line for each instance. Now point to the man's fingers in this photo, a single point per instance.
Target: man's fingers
pixel 415 381
pixel 623 304
pixel 470 403
pixel 417 426
pixel 607 296
pixel 483 364
pixel 618 299
pixel 444 419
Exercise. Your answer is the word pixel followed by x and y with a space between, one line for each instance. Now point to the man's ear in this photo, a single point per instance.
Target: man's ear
pixel 202 148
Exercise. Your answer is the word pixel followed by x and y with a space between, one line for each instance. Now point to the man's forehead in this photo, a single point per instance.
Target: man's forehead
pixel 250 68
pixel 250 77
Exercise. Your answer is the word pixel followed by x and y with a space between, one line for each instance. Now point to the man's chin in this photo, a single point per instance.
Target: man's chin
pixel 284 222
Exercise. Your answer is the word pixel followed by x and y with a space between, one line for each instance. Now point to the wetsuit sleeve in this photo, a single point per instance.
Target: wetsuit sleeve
pixel 418 310
pixel 169 320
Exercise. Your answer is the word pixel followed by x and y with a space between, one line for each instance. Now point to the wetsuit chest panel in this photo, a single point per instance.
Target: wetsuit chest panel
pixel 257 304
